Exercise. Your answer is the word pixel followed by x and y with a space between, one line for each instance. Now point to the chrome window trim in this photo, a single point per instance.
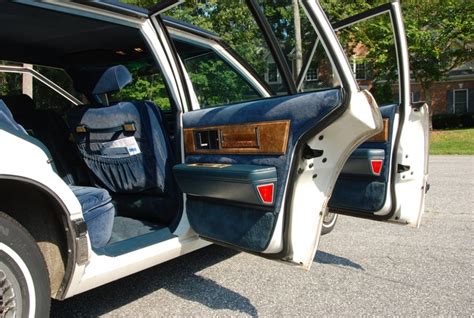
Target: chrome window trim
pixel 43 79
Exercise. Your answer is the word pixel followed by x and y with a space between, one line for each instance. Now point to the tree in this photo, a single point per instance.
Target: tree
pixel 440 33
pixel 298 43
pixel 440 38
pixel 212 79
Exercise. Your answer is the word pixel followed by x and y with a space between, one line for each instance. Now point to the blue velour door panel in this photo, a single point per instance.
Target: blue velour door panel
pixel 358 188
pixel 236 183
pixel 244 225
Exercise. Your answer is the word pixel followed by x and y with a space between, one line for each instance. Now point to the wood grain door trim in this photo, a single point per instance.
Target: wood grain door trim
pixel 383 135
pixel 253 138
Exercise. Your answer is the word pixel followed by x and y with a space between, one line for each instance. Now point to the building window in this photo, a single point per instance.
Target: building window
pixel 272 73
pixel 359 67
pixel 312 74
pixel 460 101
pixel 415 96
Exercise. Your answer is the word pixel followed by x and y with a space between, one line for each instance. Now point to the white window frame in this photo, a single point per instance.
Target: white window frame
pixel 316 70
pixel 466 91
pixel 359 60
pixel 278 79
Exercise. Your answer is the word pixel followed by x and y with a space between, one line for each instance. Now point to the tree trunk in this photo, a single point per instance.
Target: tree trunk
pixel 298 45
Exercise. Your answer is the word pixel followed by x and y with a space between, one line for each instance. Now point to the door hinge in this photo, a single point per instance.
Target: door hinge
pixel 402 168
pixel 309 153
pixel 427 187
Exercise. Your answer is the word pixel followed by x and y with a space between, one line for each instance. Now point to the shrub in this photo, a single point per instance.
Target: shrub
pixel 447 121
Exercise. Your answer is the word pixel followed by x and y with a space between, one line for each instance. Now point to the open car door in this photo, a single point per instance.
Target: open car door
pixel 386 177
pixel 258 175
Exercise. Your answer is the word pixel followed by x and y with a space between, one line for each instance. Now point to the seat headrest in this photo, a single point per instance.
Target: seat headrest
pixel 19 104
pixel 113 79
pixel 97 81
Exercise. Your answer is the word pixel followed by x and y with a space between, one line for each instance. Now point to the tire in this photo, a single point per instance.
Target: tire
pixel 329 222
pixel 24 279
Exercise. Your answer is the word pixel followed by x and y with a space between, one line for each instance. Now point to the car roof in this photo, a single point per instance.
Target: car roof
pixel 48 37
pixel 140 12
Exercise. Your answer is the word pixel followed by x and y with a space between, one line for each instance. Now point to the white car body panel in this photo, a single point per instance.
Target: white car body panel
pixel 314 185
pixel 104 269
pixel 410 186
pixel 27 161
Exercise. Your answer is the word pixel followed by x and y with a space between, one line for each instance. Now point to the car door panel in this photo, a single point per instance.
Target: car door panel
pixel 224 142
pixel 397 192
pixel 236 222
pixel 365 179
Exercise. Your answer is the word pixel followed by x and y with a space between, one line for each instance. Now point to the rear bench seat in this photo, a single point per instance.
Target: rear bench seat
pixel 50 129
pixel 97 208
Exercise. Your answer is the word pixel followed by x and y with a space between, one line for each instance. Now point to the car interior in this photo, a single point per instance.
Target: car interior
pixel 117 152
pixel 127 191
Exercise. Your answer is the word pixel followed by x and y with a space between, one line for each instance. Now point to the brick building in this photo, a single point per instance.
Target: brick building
pixel 454 94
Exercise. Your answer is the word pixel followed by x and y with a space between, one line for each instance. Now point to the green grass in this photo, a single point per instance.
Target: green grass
pixel 452 142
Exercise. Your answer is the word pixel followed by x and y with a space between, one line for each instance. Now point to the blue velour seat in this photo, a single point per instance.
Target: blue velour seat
pixel 98 212
pixel 97 208
pixel 125 146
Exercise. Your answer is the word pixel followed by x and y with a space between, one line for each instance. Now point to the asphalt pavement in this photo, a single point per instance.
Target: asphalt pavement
pixel 362 268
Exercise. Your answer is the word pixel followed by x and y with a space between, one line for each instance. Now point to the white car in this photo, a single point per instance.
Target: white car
pixel 103 182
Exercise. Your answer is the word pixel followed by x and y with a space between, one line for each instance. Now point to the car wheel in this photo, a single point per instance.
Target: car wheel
pixel 329 221
pixel 24 280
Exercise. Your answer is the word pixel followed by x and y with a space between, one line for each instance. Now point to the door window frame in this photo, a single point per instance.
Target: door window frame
pixel 230 58
pixel 393 9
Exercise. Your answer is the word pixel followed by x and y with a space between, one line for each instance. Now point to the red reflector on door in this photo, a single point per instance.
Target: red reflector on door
pixel 265 192
pixel 376 166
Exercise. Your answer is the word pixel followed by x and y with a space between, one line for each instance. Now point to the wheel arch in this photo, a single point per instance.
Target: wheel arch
pixel 44 215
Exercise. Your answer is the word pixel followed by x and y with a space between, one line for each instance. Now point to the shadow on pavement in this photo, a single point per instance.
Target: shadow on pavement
pixel 326 258
pixel 177 276
pixel 210 294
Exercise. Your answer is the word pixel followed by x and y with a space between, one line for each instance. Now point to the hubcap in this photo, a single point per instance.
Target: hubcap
pixel 9 293
pixel 328 217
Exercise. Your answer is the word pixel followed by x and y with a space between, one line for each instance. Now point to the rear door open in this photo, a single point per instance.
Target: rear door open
pixel 386 177
pixel 257 175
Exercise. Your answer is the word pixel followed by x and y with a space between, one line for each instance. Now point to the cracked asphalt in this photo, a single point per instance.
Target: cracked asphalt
pixel 363 268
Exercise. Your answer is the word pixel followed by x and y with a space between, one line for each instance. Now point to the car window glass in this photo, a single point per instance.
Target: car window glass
pixel 370 49
pixel 232 22
pixel 148 84
pixel 214 80
pixel 44 96
pixel 297 39
pixel 10 83
pixel 369 46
